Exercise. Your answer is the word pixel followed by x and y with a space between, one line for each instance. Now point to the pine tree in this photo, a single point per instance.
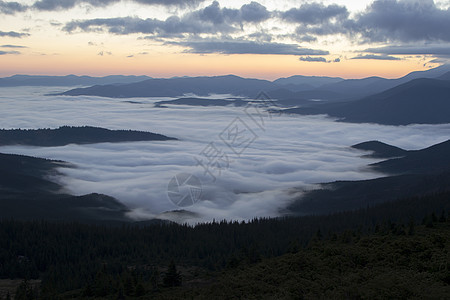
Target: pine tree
pixel 172 277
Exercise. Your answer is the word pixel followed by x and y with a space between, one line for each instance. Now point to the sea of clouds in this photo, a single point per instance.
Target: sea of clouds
pixel 289 153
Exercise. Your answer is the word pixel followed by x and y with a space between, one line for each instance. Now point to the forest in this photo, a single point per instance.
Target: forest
pixel 407 239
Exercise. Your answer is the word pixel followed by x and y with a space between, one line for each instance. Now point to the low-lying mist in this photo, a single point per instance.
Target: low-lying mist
pixel 277 158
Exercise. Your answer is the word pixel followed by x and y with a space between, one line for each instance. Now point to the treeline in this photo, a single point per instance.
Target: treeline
pixel 71 256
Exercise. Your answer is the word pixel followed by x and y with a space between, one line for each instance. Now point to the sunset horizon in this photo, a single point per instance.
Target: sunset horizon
pixel 252 39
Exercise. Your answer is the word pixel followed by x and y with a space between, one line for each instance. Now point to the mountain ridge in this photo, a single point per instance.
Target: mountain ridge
pixel 419 101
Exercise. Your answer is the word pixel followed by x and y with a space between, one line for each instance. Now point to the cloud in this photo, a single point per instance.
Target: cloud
pixel 404 21
pixel 102 53
pixel 315 13
pixel 12 46
pixel 13 34
pixel 293 152
pixel 10 8
pixel 430 49
pixel 50 5
pixel 376 57
pixel 128 25
pixel 9 52
pixel 254 12
pixel 319 59
pixel 316 19
pixel 240 46
pixel 313 59
pixel 211 19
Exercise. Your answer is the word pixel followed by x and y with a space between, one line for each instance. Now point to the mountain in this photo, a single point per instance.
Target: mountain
pixel 177 87
pixel 202 102
pixel 295 89
pixel 303 83
pixel 351 89
pixel 69 80
pixel 432 160
pixel 352 195
pixel 446 76
pixel 74 135
pixel 27 193
pixel 380 150
pixel 415 173
pixel 419 101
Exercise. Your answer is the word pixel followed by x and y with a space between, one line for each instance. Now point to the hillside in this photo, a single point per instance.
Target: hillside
pixel 357 253
pixel 396 262
pixel 380 150
pixel 74 135
pixel 418 172
pixel 27 193
pixel 431 160
pixel 420 101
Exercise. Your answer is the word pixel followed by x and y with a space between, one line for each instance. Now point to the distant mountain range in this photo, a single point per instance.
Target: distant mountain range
pixel 177 87
pixel 74 135
pixel 419 97
pixel 414 173
pixel 69 80
pixel 302 87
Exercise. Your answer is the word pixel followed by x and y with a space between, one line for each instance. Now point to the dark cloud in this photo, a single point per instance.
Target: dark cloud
pixel 315 13
pixel 66 4
pixel 438 50
pixel 10 8
pixel 115 25
pixel 12 46
pixel 404 21
pixel 313 59
pixel 171 26
pixel 254 12
pixel 376 57
pixel 246 47
pixel 248 13
pixel 9 52
pixel 260 36
pixel 307 38
pixel 316 19
pixel 13 34
pixel 211 19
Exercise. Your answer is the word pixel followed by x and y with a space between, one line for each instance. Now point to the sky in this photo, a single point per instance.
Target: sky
pixel 259 39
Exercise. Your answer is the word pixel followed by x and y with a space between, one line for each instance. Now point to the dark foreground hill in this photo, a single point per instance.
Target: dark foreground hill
pixel 380 251
pixel 388 264
pixel 74 135
pixel 420 101
pixel 27 193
